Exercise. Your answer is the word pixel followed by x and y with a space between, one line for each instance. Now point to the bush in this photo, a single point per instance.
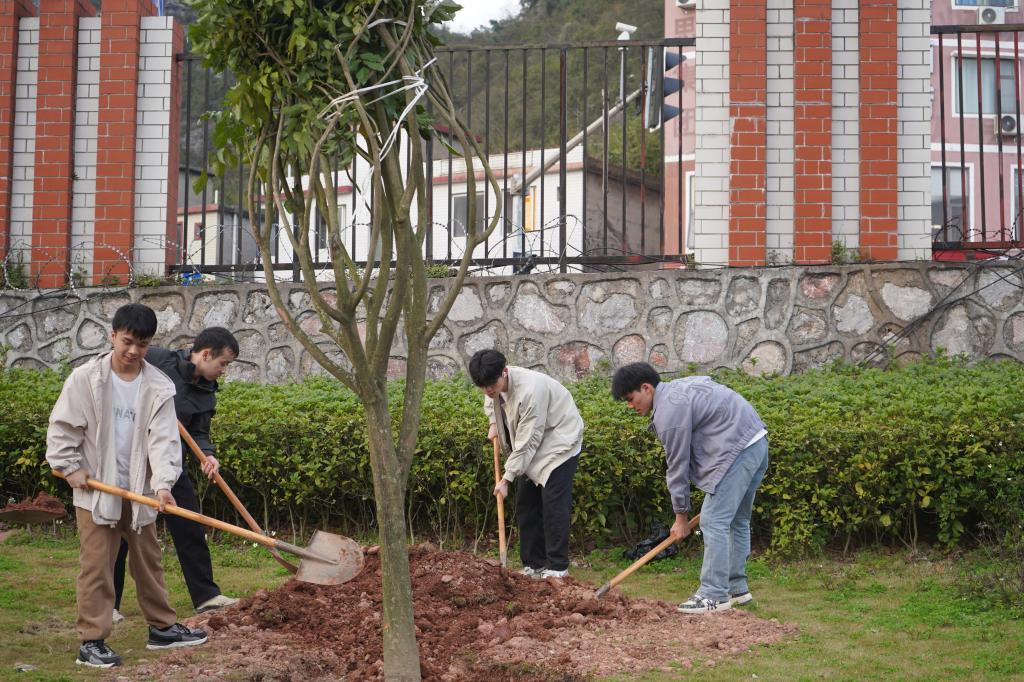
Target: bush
pixel 856 454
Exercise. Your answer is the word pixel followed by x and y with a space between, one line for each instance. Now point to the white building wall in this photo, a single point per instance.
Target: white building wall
pixel 543 240
pixel 24 152
pixel 846 123
pixel 152 144
pixel 914 114
pixel 779 153
pixel 83 186
pixel 711 190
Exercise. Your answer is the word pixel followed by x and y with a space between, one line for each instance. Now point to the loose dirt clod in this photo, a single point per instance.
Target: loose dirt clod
pixel 473 621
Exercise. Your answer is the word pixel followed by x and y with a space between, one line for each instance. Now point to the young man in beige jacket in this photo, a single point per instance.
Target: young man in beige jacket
pixel 541 433
pixel 114 421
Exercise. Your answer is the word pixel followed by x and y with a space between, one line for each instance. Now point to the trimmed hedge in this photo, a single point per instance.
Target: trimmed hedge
pixel 930 448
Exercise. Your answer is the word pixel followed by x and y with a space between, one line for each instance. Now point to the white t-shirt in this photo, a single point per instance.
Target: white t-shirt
pixel 126 398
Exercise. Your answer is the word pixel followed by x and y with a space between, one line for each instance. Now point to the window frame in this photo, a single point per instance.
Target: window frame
pixel 985 54
pixel 967 230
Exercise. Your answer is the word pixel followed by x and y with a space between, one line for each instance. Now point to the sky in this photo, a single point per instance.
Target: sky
pixel 477 13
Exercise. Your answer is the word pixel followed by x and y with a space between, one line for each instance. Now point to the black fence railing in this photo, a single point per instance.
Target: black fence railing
pixel 590 176
pixel 976 155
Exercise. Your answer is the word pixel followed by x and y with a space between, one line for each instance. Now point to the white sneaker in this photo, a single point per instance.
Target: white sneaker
pixel 551 573
pixel 117 617
pixel 698 606
pixel 218 602
pixel 741 599
pixel 534 573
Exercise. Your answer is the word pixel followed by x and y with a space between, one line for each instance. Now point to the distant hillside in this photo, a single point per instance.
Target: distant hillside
pixel 569 21
pixel 541 22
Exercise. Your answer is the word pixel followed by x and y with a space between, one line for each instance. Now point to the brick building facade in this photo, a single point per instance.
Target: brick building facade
pixel 813 127
pixel 88 174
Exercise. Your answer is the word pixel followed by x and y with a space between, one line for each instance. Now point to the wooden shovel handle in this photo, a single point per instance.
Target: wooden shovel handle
pixel 502 547
pixel 178 511
pixel 643 560
pixel 230 494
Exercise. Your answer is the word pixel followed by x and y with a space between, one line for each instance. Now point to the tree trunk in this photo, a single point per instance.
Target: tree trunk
pixel 401 653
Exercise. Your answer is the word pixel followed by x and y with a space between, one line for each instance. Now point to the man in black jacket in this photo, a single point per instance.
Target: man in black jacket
pixel 195 375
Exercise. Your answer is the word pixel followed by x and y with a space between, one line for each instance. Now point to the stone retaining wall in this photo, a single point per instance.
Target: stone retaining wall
pixel 764 320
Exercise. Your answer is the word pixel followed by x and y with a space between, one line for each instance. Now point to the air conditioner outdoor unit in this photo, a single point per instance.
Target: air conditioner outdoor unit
pixel 1007 125
pixel 992 15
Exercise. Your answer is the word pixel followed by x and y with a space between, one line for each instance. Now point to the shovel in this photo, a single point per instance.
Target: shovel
pixel 502 547
pixel 329 560
pixel 235 502
pixel 603 590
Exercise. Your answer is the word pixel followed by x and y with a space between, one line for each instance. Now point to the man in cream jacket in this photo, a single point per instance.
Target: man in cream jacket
pixel 114 421
pixel 541 433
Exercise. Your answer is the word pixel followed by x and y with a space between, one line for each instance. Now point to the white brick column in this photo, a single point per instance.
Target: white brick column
pixel 24 156
pixel 83 188
pixel 156 59
pixel 779 180
pixel 914 129
pixel 711 189
pixel 846 123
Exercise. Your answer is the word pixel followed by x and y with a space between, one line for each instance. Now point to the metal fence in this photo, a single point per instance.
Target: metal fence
pixel 977 185
pixel 590 177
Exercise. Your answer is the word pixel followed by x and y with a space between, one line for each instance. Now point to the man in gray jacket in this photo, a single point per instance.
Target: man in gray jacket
pixel 541 433
pixel 714 439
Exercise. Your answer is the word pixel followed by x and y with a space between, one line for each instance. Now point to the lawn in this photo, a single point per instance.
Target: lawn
pixel 880 615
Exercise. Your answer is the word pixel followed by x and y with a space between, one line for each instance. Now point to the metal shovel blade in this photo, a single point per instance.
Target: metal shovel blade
pixel 30 515
pixel 346 551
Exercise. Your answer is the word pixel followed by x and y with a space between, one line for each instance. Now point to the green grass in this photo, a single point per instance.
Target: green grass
pixel 878 616
pixel 881 615
pixel 37 602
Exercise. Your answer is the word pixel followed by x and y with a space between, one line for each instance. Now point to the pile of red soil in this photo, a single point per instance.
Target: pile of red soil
pixel 473 621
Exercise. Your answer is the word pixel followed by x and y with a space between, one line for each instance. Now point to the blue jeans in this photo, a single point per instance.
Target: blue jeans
pixel 725 524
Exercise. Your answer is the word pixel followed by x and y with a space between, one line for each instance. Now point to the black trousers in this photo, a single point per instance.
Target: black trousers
pixel 543 515
pixel 190 544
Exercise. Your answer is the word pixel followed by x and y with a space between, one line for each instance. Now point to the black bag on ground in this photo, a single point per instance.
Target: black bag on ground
pixel 658 534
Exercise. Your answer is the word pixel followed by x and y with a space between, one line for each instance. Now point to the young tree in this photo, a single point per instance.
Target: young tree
pixel 339 79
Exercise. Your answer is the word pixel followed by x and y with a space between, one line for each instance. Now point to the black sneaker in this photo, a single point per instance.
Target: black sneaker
pixel 175 636
pixel 96 654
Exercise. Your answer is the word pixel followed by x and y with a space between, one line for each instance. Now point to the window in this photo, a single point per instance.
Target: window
pixel 956 206
pixel 321 230
pixel 1015 219
pixel 460 214
pixel 1007 86
pixel 984 3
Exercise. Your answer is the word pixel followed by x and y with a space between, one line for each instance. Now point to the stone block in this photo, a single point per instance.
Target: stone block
pixel 701 337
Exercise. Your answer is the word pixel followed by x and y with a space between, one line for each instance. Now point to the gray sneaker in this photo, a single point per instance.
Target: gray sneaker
pixel 175 636
pixel 552 573
pixel 219 602
pixel 698 605
pixel 741 599
pixel 535 573
pixel 96 654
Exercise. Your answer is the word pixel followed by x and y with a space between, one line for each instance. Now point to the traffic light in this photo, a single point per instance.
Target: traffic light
pixel 659 87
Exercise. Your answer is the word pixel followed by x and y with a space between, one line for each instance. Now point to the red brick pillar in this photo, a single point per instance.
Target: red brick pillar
pixel 812 131
pixel 55 135
pixel 11 12
pixel 878 142
pixel 748 60
pixel 115 133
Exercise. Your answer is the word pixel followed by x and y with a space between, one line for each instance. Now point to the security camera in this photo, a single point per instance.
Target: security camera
pixel 625 28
